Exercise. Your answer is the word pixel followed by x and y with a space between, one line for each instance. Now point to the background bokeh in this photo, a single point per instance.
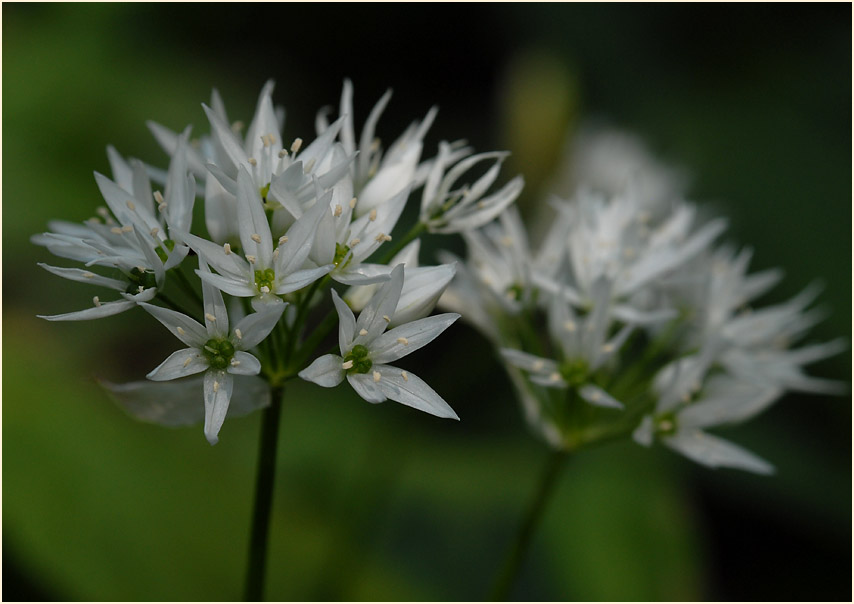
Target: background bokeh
pixel 380 502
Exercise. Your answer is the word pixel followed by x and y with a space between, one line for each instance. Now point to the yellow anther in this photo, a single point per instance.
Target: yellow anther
pixel 283 239
pixel 210 317
pixel 116 231
pixel 373 215
pixel 216 386
pixel 253 161
pixel 347 364
pixel 158 197
pixel 382 237
pixel 131 206
pixel 363 332
pixel 296 145
pixel 403 341
pixel 405 376
pixel 181 331
pixel 255 237
pixel 251 259
pixel 187 361
pixel 238 334
pixel 338 210
pixel 377 376
pixel 387 318
pixel 154 231
pixel 96 301
pixel 352 203
pixel 226 247
pixel 127 228
pixel 355 242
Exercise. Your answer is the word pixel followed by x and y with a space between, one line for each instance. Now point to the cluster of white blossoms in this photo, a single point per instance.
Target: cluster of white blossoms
pixel 282 225
pixel 629 319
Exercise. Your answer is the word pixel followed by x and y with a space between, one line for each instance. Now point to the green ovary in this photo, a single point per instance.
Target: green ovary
pixel 265 278
pixel 575 372
pixel 361 362
pixel 161 253
pixel 138 278
pixel 218 352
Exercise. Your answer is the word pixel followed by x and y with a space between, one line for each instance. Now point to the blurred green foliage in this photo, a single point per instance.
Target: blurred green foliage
pixel 379 502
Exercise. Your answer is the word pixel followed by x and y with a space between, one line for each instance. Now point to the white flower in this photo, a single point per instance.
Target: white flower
pixel 446 209
pixel 366 347
pixel 214 349
pixel 264 270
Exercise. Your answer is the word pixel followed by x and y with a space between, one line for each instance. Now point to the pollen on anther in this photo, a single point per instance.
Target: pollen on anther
pixel 555 377
pixel 210 317
pixel 116 231
pixel 377 376
pixel 89 275
pixel 226 247
pixel 235 362
pixel 154 231
pixel 103 212
pixel 140 289
pixel 405 376
pixel 251 259
pixel 403 341
pixel 373 215
pixel 275 253
pixel 355 242
pixel 238 334
pixel 96 301
pixel 216 386
pixel 296 145
pixel 158 197
pixel 187 361
pixel 282 154
pixel 127 228
pixel 161 208
pixel 131 206
pixel 538 365
pixel 363 332
pixel 382 237
pixel 387 319
pixel 338 210
pixel 253 161
pixel 283 239
pixel 255 237
pixel 181 331
pixel 265 289
pixel 352 203
pixel 347 364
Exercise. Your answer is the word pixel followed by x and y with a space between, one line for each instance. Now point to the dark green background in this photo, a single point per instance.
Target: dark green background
pixel 380 502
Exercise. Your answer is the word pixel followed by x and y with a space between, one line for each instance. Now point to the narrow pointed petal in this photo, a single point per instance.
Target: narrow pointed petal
pixel 528 362
pixel 106 309
pixel 408 338
pixel 422 287
pixel 218 388
pixel 244 363
pixel 76 274
pixel 598 397
pixel 300 237
pixel 183 327
pixel 180 363
pixel 346 323
pixel 300 279
pixel 715 452
pixel 255 234
pixel 216 315
pixel 229 285
pixel 365 387
pixel 412 391
pixel 325 371
pixel 227 263
pixel 372 318
pixel 256 326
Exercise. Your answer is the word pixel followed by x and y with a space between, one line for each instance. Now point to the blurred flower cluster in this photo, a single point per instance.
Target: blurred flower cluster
pixel 627 318
pixel 281 224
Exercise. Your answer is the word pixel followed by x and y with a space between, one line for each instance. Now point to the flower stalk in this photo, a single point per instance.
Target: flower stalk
pixel 264 482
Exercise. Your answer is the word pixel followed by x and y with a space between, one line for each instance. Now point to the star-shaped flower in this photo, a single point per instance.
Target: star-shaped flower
pixel 366 347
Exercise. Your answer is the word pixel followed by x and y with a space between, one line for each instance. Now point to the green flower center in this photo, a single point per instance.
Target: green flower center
pixel 264 190
pixel 341 252
pixel 665 425
pixel 138 278
pixel 161 253
pixel 265 278
pixel 218 352
pixel 575 372
pixel 361 362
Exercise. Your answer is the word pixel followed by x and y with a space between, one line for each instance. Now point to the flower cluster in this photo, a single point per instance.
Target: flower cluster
pixel 629 319
pixel 282 225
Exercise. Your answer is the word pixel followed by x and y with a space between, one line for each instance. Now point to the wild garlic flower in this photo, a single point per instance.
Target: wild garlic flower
pixel 366 348
pixel 128 236
pixel 214 349
pixel 264 272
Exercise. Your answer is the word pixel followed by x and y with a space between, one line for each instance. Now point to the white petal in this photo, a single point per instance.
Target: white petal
pixel 371 319
pixel 228 264
pixel 300 279
pixel 325 371
pixel 254 229
pixel 294 251
pixel 365 387
pixel 598 397
pixel 213 305
pixel 244 363
pixel 180 363
pixel 529 362
pixel 411 391
pixel 256 326
pixel 183 327
pixel 229 285
pixel 76 274
pixel 106 309
pixel 715 452
pixel 407 338
pixel 422 287
pixel 218 388
pixel 346 323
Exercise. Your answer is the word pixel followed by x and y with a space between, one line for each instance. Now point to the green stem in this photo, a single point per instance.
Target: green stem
pixel 263 497
pixel 173 305
pixel 513 562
